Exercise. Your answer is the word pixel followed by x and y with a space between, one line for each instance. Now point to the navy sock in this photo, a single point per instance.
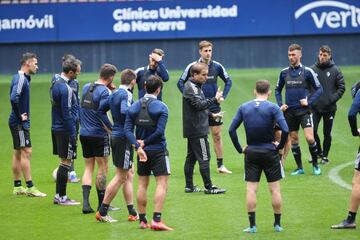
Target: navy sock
pixel 277 217
pixel 131 210
pixel 157 216
pixel 61 179
pixel 251 216
pixel 101 194
pixel 17 183
pixel 29 184
pixel 314 153
pixel 219 162
pixel 142 217
pixel 351 217
pixel 295 148
pixel 86 193
pixel 103 210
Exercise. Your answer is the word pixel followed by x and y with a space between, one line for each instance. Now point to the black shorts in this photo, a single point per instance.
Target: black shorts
pixel 95 146
pixel 215 122
pixel 122 153
pixel 357 161
pixel 157 163
pixel 20 136
pixel 62 146
pixel 297 117
pixel 258 160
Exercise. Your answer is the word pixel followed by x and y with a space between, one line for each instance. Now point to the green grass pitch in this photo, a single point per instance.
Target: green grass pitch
pixel 310 203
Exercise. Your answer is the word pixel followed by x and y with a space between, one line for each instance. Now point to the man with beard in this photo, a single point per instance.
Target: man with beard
pixel 332 81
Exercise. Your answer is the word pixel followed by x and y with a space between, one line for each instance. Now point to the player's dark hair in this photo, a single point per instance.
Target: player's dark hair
pixel 107 71
pixel 294 46
pixel 127 75
pixel 70 64
pixel 262 86
pixel 197 68
pixel 203 44
pixel 153 83
pixel 26 56
pixel 67 56
pixel 325 48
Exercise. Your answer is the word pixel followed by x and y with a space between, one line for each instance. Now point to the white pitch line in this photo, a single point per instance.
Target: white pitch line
pixel 334 176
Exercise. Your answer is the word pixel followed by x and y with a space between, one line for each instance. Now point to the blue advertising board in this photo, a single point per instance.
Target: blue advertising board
pixel 136 20
pixel 319 17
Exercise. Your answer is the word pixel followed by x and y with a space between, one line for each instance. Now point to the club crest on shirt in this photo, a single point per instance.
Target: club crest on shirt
pixel 195 89
pixel 328 74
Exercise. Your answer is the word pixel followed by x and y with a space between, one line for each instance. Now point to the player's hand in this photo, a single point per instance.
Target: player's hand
pixel 218 115
pixel 219 95
pixel 284 107
pixel 111 86
pixel 304 102
pixel 141 154
pixel 155 57
pixel 141 142
pixel 276 143
pixel 108 130
pixel 24 117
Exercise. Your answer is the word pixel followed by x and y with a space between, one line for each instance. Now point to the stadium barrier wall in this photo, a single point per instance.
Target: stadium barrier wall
pixel 247 34
pixel 231 52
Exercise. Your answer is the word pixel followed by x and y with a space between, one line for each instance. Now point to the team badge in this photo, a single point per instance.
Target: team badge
pixel 328 74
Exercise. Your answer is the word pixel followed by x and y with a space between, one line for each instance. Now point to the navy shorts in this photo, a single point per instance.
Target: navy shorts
pixel 95 146
pixel 258 160
pixel 20 136
pixel 357 161
pixel 296 117
pixel 62 146
pixel 215 122
pixel 157 163
pixel 122 153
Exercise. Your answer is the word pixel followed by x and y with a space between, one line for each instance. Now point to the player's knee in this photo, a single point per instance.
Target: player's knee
pixel 130 177
pixel 121 179
pixel 251 192
pixel 27 151
pixel 310 140
pixel 162 185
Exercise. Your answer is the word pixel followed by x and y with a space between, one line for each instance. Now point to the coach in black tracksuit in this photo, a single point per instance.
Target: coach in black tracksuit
pixel 196 129
pixel 332 81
